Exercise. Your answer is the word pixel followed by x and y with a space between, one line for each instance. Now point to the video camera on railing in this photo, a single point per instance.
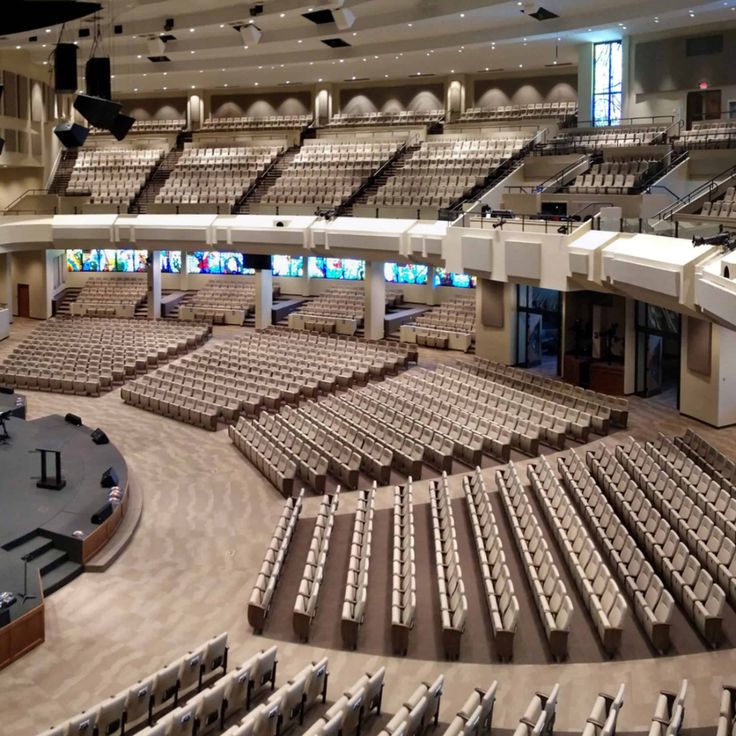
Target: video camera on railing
pixel 725 239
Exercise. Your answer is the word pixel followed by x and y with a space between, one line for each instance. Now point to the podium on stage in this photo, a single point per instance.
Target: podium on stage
pixel 52 482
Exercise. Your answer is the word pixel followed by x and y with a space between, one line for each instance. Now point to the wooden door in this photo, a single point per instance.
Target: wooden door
pixel 24 300
pixel 703 105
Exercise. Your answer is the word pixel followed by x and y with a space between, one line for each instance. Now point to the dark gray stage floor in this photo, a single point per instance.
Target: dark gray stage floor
pixel 24 508
pixel 13 402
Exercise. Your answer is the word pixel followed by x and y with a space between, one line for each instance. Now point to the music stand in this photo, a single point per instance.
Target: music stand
pixel 25 595
pixel 4 416
pixel 55 482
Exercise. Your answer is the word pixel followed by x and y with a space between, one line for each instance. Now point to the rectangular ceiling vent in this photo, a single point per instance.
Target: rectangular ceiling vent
pixel 158 59
pixel 543 14
pixel 335 43
pixel 320 17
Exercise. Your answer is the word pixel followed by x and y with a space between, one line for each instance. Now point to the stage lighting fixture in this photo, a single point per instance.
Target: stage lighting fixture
pixel 121 126
pixel 71 135
pixel 169 24
pixel 156 47
pixel 97 111
pixel 344 18
pixel 250 33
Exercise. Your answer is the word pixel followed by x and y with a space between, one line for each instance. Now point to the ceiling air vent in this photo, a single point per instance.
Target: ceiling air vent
pixel 158 59
pixel 335 43
pixel 320 17
pixel 543 14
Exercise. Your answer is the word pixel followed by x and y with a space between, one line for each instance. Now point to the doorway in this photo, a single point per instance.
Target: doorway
pixel 703 105
pixel 658 348
pixel 539 329
pixel 24 300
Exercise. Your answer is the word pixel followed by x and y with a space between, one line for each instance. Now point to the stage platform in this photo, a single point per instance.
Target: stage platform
pixel 13 402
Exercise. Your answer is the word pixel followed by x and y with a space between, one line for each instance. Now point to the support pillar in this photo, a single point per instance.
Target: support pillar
pixel 375 300
pixel 154 284
pixel 430 290
pixel 6 281
pixel 264 298
pixel 630 347
pixel 495 321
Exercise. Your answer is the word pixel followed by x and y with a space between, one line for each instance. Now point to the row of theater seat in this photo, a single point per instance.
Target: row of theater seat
pixel 149 126
pixel 708 134
pixel 402 117
pixel 613 177
pixel 453 602
pixel 503 605
pixel 690 584
pixel 720 467
pixel 356 586
pixel 550 595
pixel 403 569
pixel 653 603
pixel 252 122
pixel 307 599
pixel 595 581
pixel 451 326
pixel 436 337
pixel 594 139
pixel 517 112
pixel 259 603
pixel 88 356
pixel 110 297
pixel 222 302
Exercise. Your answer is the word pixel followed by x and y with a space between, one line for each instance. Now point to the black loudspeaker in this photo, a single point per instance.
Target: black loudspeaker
pixel 2 145
pixel 98 111
pixel 73 419
pixel 104 512
pixel 109 478
pixel 7 390
pixel 99 437
pixel 97 77
pixel 65 67
pixel 121 125
pixel 71 135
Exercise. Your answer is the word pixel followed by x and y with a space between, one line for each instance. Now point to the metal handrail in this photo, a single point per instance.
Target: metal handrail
pixel 26 193
pixel 705 188
pixel 624 122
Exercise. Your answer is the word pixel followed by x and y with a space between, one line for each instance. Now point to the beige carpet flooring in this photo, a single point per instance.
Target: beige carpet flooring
pixel 188 571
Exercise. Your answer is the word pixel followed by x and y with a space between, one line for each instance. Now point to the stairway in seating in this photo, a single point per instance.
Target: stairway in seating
pixel 266 181
pixel 391 169
pixel 63 172
pixel 141 310
pixel 63 301
pixel 159 175
pixel 54 564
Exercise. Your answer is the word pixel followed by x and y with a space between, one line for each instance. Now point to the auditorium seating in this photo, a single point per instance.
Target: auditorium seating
pixel 259 603
pixel 550 595
pixel 603 717
pixel 113 175
pixel 669 713
pixel 613 177
pixel 453 603
pixel 565 393
pixel 723 208
pixel 349 714
pixel 404 573
pixel 222 302
pixel 720 467
pixel 444 169
pixel 148 699
pixel 326 173
pixel 149 127
pixel 419 712
pixel 595 139
pixel 653 603
pixel 503 605
pixel 475 718
pixel 103 296
pixel 560 110
pixel 727 714
pixel 380 119
pixel 356 586
pixel 307 599
pixel 219 175
pixel 87 356
pixel 450 325
pixel 593 578
pixel 252 122
pixel 539 716
pixel 708 134
pixel 701 598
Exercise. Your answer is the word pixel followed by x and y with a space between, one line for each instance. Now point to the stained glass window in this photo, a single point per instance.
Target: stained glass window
pixel 107 260
pixel 350 269
pixel 608 67
pixel 216 262
pixel 405 273
pixel 170 261
pixel 288 266
pixel 458 280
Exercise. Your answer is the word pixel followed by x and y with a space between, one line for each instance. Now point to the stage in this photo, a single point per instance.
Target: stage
pixel 51 529
pixel 15 403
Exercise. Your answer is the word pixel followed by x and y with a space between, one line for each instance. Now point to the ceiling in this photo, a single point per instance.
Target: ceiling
pixel 388 39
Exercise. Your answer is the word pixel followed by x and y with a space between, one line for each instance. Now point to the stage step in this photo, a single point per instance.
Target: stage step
pixel 32 547
pixel 49 560
pixel 60 576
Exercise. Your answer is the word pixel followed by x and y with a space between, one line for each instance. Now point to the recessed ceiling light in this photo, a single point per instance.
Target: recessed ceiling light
pixel 112 76
pixel 191 30
pixel 320 79
pixel 43 45
pixel 375 57
pixel 45 62
pixel 135 89
pixel 385 76
pixel 462 15
pixel 192 51
pixel 521 66
pixel 245 47
pixel 411 25
pixel 165 87
pixel 282 15
pixel 300 41
pixel 222 25
pixel 192 86
pixel 355 33
pixel 140 56
pixel 165 73
pixel 353 77
pixel 17 47
pixel 224 85
pixel 255 84
pixel 623 28
pixel 288 82
pixel 145 74
pixel 48 30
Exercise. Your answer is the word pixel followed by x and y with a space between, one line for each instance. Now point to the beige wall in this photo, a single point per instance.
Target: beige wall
pixel 161 108
pixel 413 97
pixel 30 268
pixel 523 90
pixel 15 181
pixel 261 105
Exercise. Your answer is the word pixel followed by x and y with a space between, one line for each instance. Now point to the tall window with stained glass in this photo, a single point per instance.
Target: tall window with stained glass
pixel 607 82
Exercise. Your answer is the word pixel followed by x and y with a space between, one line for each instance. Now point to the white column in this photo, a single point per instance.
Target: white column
pixel 375 300
pixel 430 290
pixel 264 298
pixel 184 273
pixel 6 281
pixel 495 321
pixel 154 285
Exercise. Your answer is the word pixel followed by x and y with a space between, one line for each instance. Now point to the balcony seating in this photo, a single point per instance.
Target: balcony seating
pixel 222 302
pixel 559 110
pixel 708 134
pixel 251 122
pixel 595 139
pixel 595 581
pixel 550 595
pixel 385 119
pixel 88 356
pixel 613 177
pixel 404 573
pixel 107 296
pixel 307 599
pixel 149 127
pixel 259 603
pixel 451 325
pixel 356 586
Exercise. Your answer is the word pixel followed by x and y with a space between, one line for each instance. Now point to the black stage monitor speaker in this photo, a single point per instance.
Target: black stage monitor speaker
pixel 71 135
pixel 121 125
pixel 260 263
pixel 65 67
pixel 99 437
pixel 104 512
pixel 7 390
pixel 97 77
pixel 109 478
pixel 73 419
pixel 98 111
